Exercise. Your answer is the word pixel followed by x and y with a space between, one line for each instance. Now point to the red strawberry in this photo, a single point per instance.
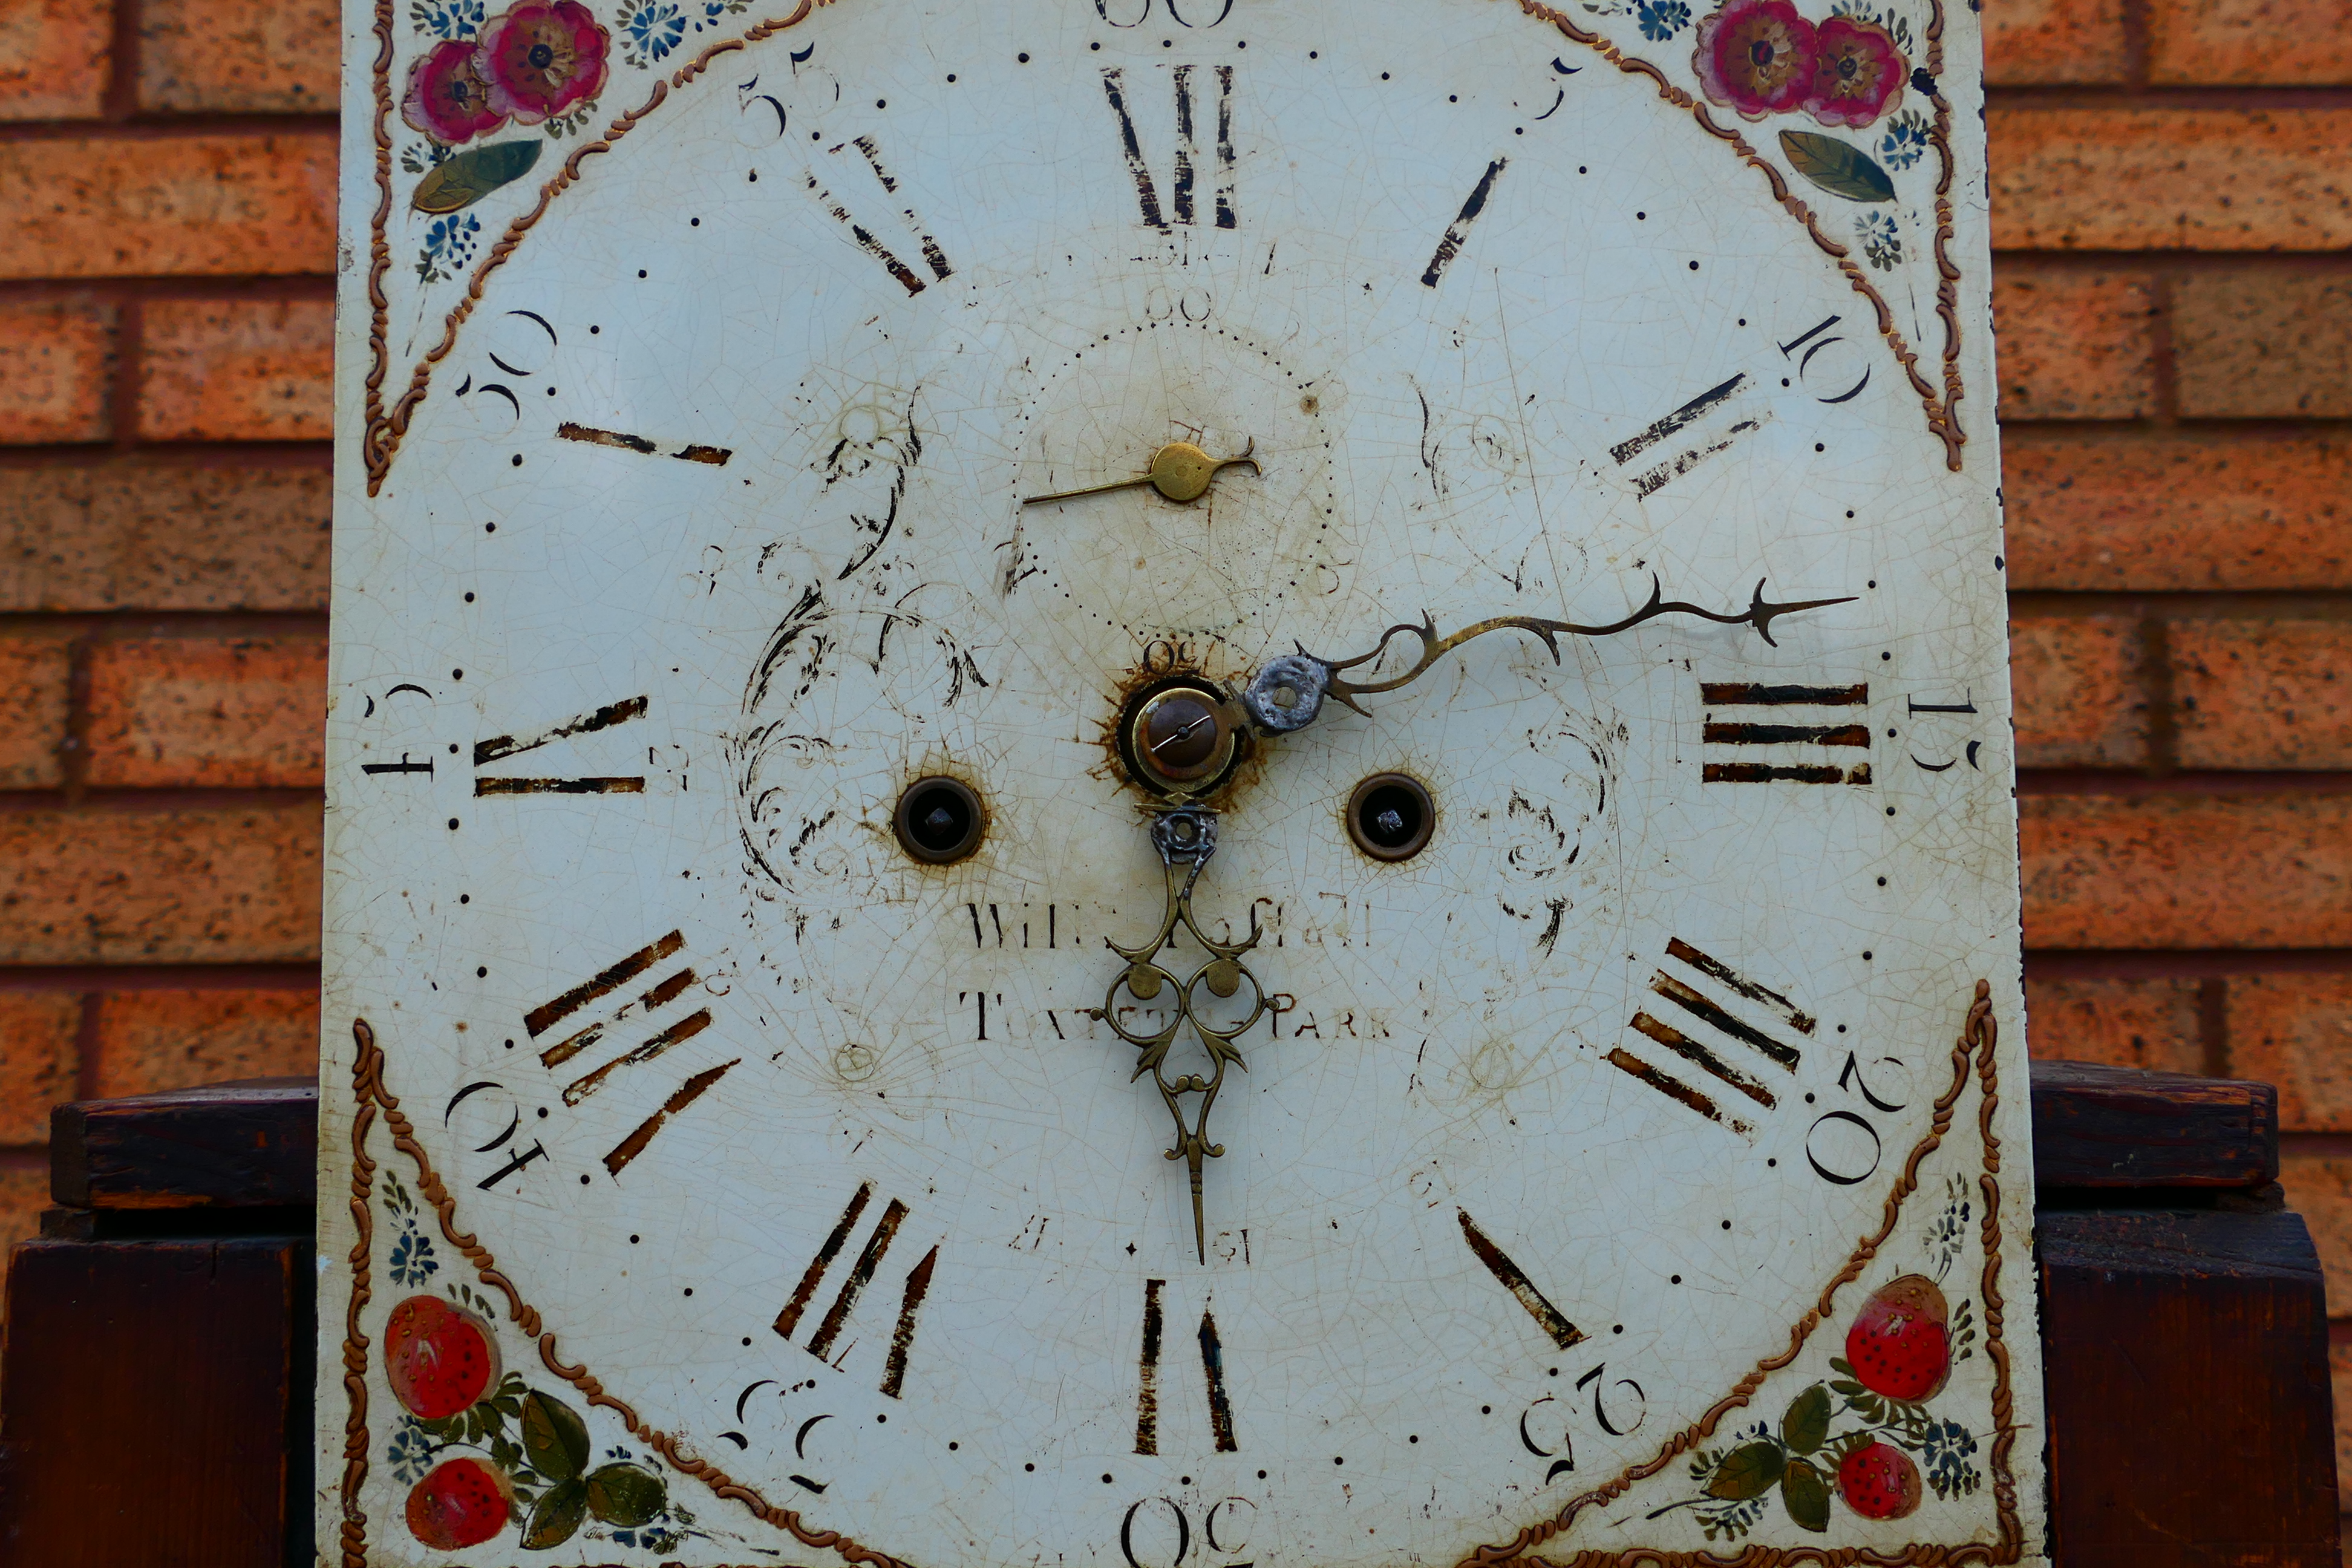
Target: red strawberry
pixel 439 1358
pixel 1899 1345
pixel 1879 1482
pixel 461 1503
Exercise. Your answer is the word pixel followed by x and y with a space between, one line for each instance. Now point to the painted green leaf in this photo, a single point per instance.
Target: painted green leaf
pixel 1837 167
pixel 1807 1424
pixel 465 178
pixel 625 1495
pixel 555 1437
pixel 1749 1470
pixel 1806 1491
pixel 558 1513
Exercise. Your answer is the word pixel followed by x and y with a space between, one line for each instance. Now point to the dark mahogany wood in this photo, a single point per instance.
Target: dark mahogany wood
pixel 2190 1424
pixel 250 1144
pixel 2123 1126
pixel 157 1404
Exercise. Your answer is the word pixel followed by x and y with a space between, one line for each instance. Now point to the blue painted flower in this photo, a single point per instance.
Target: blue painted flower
pixel 412 1261
pixel 710 11
pixel 410 1451
pixel 1946 1450
pixel 1660 19
pixel 1905 142
pixel 1882 245
pixel 446 18
pixel 450 243
pixel 650 29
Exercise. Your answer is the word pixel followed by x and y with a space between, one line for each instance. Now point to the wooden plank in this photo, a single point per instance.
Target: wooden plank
pixel 251 1144
pixel 2124 1127
pixel 158 1401
pixel 2187 1382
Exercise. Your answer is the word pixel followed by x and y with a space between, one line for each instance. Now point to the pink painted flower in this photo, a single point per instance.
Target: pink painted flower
pixel 1755 57
pixel 1858 73
pixel 542 57
pixel 448 99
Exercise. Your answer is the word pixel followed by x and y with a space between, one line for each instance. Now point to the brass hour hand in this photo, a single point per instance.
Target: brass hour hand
pixel 1288 692
pixel 1179 470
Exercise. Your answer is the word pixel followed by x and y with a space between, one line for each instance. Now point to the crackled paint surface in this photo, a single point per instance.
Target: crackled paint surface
pixel 1638 1169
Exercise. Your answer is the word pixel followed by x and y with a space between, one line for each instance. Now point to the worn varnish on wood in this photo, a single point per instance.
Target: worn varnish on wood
pixel 155 1379
pixel 2120 1127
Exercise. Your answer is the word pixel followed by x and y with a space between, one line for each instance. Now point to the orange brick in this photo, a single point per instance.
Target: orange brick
pixel 207 711
pixel 2250 43
pixel 36 669
pixel 111 206
pixel 2263 694
pixel 2296 1031
pixel 53 58
pixel 2031 43
pixel 256 370
pixel 210 885
pixel 2122 1023
pixel 2078 697
pixel 131 536
pixel 56 372
pixel 2319 1188
pixel 2074 346
pixel 153 1041
pixel 2170 871
pixel 2157 514
pixel 2257 345
pixel 39 1055
pixel 253 56
pixel 2171 179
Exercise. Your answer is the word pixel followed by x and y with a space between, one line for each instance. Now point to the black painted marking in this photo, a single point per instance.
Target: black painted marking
pixel 1779 734
pixel 1746 694
pixel 902 1339
pixel 1548 1318
pixel 1213 1363
pixel 1458 230
pixel 629 1148
pixel 603 718
pixel 932 255
pixel 1804 772
pixel 1147 195
pixel 1147 1392
pixel 1695 409
pixel 693 453
pixel 1802 1021
pixel 685 1028
pixel 539 1019
pixel 789 1318
pixel 536 1151
pixel 837 1316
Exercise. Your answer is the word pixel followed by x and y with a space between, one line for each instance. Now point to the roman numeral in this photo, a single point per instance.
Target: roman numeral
pixel 861 1274
pixel 1181 196
pixel 1834 733
pixel 1459 231
pixel 1716 1024
pixel 933 257
pixel 501 746
pixel 1212 1370
pixel 1651 481
pixel 1512 1278
pixel 625 1023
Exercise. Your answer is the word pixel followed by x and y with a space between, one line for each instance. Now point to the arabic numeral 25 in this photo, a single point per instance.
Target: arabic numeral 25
pixel 1843 1146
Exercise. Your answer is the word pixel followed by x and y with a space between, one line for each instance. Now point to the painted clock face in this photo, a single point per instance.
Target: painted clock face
pixel 852 1036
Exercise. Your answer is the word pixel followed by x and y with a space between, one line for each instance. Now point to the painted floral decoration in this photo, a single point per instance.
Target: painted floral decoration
pixel 1660 19
pixel 542 58
pixel 650 29
pixel 1858 73
pixel 1905 142
pixel 448 99
pixel 1756 56
pixel 1882 244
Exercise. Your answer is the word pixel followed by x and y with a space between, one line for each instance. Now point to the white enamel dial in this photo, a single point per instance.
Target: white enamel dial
pixel 869 1210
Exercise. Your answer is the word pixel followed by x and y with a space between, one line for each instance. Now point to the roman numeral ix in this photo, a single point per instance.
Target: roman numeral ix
pixel 861 1274
pixel 626 1023
pixel 1838 732
pixel 1702 1030
pixel 1181 189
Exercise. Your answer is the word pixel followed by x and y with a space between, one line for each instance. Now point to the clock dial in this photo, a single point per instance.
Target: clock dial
pixel 934 1075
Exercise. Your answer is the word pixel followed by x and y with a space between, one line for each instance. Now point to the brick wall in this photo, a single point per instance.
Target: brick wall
pixel 2173 190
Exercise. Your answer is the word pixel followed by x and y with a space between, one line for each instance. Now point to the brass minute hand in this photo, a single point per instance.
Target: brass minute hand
pixel 1179 470
pixel 1288 693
